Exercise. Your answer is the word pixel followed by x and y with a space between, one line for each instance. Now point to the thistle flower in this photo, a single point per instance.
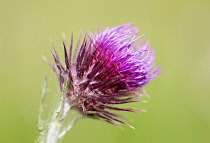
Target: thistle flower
pixel 111 67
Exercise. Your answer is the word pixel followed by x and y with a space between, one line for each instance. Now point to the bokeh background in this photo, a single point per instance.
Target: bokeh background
pixel 179 30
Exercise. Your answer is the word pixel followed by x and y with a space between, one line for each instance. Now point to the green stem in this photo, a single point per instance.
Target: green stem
pixel 57 121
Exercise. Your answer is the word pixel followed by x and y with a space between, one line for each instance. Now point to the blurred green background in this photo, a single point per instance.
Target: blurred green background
pixel 178 110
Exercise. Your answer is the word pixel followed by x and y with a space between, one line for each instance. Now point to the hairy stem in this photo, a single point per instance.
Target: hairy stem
pixel 53 132
pixel 57 121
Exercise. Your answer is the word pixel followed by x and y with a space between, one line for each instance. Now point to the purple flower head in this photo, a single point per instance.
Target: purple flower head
pixel 110 67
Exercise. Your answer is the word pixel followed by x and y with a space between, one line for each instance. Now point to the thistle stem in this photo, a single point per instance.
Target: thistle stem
pixel 57 121
pixel 53 132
